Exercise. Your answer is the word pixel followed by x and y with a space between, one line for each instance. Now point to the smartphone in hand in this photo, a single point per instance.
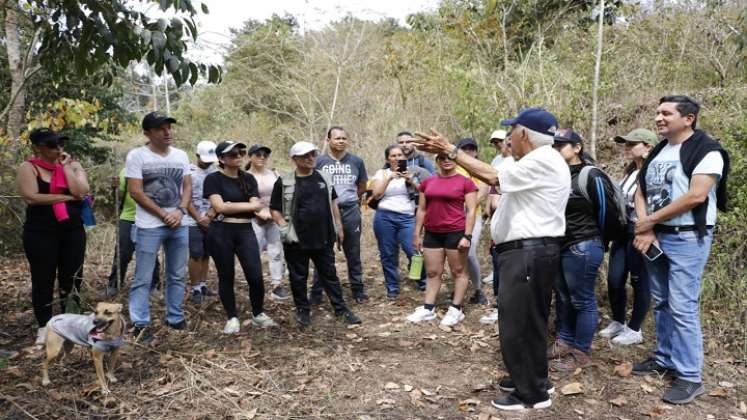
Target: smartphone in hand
pixel 653 252
pixel 401 166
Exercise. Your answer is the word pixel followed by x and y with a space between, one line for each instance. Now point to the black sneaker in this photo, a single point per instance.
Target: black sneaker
pixel 650 366
pixel 507 384
pixel 178 325
pixel 349 317
pixel 315 299
pixel 207 292
pixel 511 402
pixel 196 297
pixel 142 335
pixel 479 298
pixel 682 391
pixel 303 318
pixel 361 299
pixel 279 293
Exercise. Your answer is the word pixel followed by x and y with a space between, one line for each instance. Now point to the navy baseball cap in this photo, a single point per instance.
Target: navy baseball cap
pixel 257 147
pixel 156 119
pixel 466 142
pixel 45 136
pixel 566 135
pixel 535 119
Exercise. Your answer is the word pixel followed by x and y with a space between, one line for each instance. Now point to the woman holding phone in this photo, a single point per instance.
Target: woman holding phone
pixel 394 222
pixel 446 210
pixel 53 186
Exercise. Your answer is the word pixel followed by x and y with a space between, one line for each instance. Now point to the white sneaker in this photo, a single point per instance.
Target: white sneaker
pixel 611 330
pixel 232 326
pixel 422 314
pixel 453 316
pixel 41 336
pixel 491 318
pixel 628 337
pixel 488 279
pixel 263 321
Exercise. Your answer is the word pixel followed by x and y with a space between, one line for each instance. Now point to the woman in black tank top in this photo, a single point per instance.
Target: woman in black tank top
pixel 54 240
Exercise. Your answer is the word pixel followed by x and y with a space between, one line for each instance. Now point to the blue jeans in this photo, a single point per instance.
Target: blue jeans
pixel 576 299
pixel 176 246
pixel 675 286
pixel 624 259
pixel 393 230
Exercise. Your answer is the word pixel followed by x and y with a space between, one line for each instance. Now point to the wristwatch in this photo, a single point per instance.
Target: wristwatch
pixel 468 236
pixel 453 153
pixel 183 210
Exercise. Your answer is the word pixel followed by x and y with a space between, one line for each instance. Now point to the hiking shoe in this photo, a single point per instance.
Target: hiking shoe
pixel 422 314
pixel 511 402
pixel 682 391
pixel 177 325
pixel 263 321
pixel 142 335
pixel 628 337
pixel 575 359
pixel 303 318
pixel 196 297
pixel 361 299
pixel 650 366
pixel 490 318
pixel 613 329
pixel 453 316
pixel 507 384
pixel 315 299
pixel 41 336
pixel 349 317
pixel 488 279
pixel 279 293
pixel 558 349
pixel 479 298
pixel 392 295
pixel 232 326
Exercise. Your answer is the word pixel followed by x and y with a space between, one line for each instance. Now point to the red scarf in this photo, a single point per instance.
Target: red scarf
pixel 57 184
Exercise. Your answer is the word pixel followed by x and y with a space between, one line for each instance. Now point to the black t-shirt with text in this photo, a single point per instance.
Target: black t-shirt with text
pixel 230 189
pixel 312 219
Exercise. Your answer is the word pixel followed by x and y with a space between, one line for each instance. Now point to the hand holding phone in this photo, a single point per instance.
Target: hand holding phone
pixel 401 166
pixel 653 252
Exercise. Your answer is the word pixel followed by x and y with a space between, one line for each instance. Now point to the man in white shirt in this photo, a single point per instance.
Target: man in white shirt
pixel 158 180
pixel 680 186
pixel 526 228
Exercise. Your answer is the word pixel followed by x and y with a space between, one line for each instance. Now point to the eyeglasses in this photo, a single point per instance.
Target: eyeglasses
pixel 235 154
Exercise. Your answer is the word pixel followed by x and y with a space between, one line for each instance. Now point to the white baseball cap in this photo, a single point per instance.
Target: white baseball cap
pixel 301 148
pixel 499 134
pixel 206 151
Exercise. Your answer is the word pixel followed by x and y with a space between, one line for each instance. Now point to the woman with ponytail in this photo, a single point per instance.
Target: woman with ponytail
pixel 234 196
pixel 53 186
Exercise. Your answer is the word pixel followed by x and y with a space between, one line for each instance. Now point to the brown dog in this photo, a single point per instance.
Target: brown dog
pixel 102 332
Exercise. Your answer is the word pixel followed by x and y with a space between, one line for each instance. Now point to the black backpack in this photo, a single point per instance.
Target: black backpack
pixel 612 218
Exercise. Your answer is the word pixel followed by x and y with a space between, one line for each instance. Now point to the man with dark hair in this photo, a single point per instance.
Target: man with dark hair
pixel 681 185
pixel 404 139
pixel 348 174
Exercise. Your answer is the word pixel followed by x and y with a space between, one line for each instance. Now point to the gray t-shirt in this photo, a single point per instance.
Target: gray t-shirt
pixel 198 178
pixel 346 174
pixel 77 328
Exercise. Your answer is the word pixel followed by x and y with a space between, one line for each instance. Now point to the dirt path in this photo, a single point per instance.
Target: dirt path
pixel 384 369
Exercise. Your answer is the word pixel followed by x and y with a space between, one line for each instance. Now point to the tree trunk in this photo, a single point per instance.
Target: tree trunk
pixel 17 108
pixel 595 86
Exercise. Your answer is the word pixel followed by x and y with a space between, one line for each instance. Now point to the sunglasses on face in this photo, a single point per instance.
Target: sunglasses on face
pixel 53 144
pixel 309 155
pixel 235 154
pixel 264 155
pixel 443 159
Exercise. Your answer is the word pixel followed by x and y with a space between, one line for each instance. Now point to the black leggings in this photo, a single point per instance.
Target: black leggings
pixel 54 254
pixel 224 240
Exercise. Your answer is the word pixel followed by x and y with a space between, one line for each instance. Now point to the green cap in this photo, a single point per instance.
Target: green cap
pixel 642 135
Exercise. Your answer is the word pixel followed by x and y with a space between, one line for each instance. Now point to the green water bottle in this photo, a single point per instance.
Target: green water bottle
pixel 416 267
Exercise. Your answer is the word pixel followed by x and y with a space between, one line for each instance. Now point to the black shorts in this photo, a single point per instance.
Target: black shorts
pixel 197 242
pixel 438 240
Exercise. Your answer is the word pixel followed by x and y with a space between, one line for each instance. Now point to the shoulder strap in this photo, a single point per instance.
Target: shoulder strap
pixel 582 180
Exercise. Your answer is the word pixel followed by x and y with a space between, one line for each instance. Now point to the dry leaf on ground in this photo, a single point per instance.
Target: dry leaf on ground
pixel 624 370
pixel 572 388
pixel 619 401
pixel 719 392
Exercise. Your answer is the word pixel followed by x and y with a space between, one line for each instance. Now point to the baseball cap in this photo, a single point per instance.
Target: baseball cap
pixel 45 135
pixel 257 147
pixel 465 142
pixel 499 134
pixel 156 119
pixel 301 148
pixel 228 145
pixel 566 135
pixel 535 119
pixel 206 151
pixel 639 134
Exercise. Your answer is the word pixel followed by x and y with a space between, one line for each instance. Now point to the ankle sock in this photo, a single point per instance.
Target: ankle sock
pixel 429 306
pixel 457 306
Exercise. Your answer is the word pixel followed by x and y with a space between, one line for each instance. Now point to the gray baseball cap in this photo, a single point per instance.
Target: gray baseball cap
pixel 642 135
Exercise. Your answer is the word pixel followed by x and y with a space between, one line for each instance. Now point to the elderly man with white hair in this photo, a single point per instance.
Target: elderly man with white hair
pixel 526 228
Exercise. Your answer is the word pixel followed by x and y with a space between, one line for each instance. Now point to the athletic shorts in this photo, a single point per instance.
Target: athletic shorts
pixel 197 242
pixel 438 240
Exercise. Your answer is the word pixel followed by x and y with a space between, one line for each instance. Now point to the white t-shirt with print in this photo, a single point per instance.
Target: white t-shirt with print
pixel 535 191
pixel 666 182
pixel 201 204
pixel 162 181
pixel 396 198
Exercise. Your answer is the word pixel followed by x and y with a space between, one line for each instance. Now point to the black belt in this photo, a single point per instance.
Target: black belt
pixel 525 243
pixel 677 229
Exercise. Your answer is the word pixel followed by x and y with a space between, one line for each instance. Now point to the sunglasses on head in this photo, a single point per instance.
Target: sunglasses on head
pixel 235 154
